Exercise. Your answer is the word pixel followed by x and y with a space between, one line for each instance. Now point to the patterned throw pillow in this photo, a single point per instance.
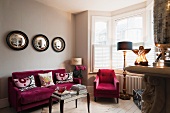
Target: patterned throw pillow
pixel 25 83
pixel 70 78
pixel 46 79
pixel 65 77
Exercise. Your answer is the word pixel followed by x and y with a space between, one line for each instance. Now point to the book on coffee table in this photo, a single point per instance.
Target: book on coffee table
pixel 82 91
pixel 78 87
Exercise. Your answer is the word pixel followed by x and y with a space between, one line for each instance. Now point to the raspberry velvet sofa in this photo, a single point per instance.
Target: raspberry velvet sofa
pixel 35 96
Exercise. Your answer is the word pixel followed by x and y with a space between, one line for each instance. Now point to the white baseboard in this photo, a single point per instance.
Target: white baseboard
pixel 4 102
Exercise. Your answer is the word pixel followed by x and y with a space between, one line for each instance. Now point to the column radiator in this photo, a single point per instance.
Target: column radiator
pixel 132 82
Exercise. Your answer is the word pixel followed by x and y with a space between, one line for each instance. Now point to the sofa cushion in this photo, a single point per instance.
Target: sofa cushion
pixel 28 73
pixel 25 83
pixel 64 77
pixel 35 95
pixel 54 73
pixel 46 79
pixel 106 88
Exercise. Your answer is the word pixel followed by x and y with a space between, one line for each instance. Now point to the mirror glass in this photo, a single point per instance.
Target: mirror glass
pixel 58 44
pixel 17 40
pixel 40 42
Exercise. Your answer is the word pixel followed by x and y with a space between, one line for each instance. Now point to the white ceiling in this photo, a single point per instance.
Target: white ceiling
pixel 75 6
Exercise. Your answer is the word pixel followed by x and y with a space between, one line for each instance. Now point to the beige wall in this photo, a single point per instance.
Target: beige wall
pixel 33 18
pixel 83 40
pixel 81 25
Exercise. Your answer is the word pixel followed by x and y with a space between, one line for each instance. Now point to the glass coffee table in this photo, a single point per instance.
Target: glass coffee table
pixel 68 99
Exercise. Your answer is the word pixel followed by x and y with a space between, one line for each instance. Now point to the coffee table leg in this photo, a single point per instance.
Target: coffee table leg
pixel 88 102
pixel 61 106
pixel 76 103
pixel 50 104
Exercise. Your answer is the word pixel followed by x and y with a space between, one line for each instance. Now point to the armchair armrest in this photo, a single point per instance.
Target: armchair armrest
pixel 116 84
pixel 77 80
pixel 13 93
pixel 96 82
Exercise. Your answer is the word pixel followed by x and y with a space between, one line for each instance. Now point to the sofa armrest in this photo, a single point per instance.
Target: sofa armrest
pixel 13 93
pixel 116 84
pixel 77 80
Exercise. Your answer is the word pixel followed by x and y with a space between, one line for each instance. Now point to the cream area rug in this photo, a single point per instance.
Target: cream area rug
pixel 103 105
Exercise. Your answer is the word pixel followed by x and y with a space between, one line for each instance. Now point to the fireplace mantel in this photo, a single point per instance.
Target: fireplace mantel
pixel 156 95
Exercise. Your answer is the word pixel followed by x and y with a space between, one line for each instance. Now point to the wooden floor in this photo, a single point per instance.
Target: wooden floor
pixel 101 106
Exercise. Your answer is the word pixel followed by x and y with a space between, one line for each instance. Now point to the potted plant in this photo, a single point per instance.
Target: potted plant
pixel 77 73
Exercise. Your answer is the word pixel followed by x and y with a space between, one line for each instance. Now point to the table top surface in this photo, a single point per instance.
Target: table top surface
pixel 69 97
pixel 149 70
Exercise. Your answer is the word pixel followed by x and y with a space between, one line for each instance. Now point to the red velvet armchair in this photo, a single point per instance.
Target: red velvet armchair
pixel 106 85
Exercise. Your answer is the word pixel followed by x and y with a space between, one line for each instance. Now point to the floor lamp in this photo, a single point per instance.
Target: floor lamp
pixel 124 46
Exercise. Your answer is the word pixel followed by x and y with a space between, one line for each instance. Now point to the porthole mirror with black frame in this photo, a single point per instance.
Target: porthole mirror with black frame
pixel 17 40
pixel 58 44
pixel 40 42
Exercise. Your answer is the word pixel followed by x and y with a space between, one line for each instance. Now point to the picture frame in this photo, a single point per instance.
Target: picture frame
pixel 40 42
pixel 58 44
pixel 17 40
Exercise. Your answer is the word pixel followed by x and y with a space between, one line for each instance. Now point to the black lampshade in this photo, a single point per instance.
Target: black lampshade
pixel 125 45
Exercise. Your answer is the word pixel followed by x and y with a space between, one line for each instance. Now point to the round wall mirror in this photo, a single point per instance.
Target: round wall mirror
pixel 40 42
pixel 17 40
pixel 58 44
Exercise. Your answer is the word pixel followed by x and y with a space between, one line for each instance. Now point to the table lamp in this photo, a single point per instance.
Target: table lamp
pixel 76 62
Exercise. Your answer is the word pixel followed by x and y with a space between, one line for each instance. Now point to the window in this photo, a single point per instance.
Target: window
pixel 101 43
pixel 106 32
pixel 127 29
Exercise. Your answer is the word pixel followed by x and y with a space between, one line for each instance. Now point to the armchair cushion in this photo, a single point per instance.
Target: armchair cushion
pixel 106 88
pixel 106 75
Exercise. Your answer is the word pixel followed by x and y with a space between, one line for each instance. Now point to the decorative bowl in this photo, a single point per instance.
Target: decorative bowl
pixel 61 89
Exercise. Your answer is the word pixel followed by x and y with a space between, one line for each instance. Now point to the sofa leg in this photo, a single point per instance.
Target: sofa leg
pixel 95 99
pixel 117 100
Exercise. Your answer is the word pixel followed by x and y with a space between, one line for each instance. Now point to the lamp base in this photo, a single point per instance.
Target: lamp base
pixel 125 97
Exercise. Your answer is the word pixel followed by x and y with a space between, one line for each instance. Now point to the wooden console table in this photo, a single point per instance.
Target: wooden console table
pixel 156 95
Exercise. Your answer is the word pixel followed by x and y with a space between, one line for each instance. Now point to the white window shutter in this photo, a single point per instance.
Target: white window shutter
pixel 102 57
